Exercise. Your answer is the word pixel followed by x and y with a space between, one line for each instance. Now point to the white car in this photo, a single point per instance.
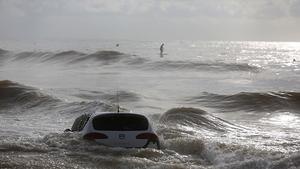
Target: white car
pixel 117 130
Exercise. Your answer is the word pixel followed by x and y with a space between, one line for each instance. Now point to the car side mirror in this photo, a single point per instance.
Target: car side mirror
pixel 67 130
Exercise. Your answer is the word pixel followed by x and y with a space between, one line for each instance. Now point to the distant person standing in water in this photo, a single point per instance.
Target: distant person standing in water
pixel 162 48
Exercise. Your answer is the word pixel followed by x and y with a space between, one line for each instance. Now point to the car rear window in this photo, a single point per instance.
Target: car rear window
pixel 120 122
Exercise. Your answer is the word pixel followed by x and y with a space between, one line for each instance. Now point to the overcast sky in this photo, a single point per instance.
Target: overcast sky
pixel 266 20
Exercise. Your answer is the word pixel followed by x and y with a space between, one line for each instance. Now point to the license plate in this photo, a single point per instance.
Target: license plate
pixel 121 136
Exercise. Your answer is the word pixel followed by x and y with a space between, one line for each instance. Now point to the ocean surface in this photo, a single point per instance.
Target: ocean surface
pixel 214 104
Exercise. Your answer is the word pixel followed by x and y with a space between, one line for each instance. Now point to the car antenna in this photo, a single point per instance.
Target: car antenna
pixel 118 106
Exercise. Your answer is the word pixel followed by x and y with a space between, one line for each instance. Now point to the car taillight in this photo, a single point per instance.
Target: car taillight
pixel 148 136
pixel 93 136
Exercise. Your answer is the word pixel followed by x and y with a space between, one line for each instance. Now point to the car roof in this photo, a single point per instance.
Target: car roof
pixel 110 113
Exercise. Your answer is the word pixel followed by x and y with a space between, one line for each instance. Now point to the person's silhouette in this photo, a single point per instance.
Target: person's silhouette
pixel 162 48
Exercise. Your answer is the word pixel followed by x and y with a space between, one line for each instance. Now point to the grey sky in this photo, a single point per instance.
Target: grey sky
pixel 151 19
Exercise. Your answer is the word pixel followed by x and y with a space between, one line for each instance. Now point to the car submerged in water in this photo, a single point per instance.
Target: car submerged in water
pixel 127 130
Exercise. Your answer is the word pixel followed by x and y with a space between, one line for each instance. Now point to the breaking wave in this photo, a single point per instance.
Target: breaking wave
pixel 195 118
pixel 69 57
pixel 69 150
pixel 108 57
pixel 187 131
pixel 270 101
pixel 31 56
pixel 13 94
pixel 2 51
pixel 65 56
pixel 180 149
pixel 3 54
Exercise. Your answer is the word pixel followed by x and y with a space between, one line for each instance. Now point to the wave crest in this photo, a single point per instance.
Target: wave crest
pixel 66 56
pixel 106 57
pixel 2 51
pixel 194 117
pixel 213 66
pixel 269 101
pixel 13 94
